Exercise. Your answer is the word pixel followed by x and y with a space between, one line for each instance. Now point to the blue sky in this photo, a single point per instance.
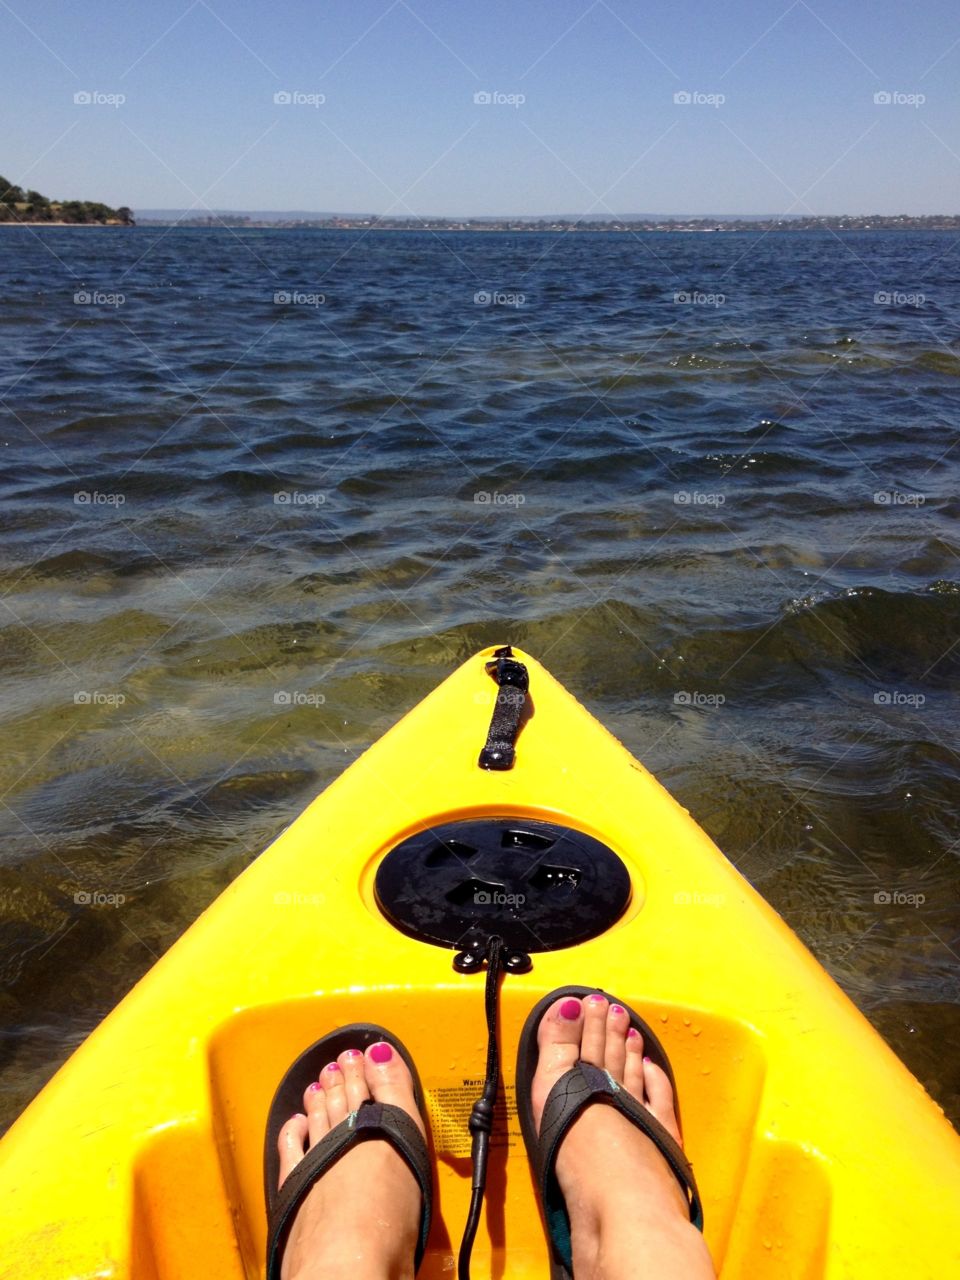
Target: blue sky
pixel 782 116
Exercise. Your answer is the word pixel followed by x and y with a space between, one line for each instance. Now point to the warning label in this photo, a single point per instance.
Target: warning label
pixel 450 1106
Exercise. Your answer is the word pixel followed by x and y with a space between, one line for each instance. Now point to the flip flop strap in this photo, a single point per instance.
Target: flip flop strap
pixel 372 1120
pixel 582 1085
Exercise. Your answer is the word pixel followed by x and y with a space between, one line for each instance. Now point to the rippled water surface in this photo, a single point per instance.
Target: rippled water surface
pixel 728 523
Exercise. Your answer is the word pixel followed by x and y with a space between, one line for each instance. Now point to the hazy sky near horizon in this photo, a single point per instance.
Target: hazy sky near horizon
pixel 373 106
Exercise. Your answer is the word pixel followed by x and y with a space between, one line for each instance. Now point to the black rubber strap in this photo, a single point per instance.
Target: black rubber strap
pixel 499 750
pixel 481 1117
pixel 372 1120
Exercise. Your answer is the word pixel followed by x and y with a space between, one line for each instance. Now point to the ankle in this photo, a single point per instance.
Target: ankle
pixel 357 1264
pixel 354 1252
pixel 670 1249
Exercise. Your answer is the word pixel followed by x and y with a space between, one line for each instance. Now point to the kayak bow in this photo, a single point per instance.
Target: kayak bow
pixel 816 1152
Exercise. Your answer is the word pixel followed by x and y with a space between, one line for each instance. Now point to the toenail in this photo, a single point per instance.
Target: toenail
pixel 597 998
pixel 646 1059
pixel 617 1008
pixel 632 1033
pixel 570 1009
pixel 381 1052
pixel 354 1053
pixel 332 1066
pixel 314 1084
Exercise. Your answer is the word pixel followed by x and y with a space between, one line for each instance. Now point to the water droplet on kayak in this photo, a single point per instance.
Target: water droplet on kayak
pixel 664 1017
pixel 705 1071
pixel 686 1021
pixel 697 1030
pixel 768 1244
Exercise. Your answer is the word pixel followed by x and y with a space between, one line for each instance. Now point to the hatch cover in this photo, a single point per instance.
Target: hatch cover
pixel 539 885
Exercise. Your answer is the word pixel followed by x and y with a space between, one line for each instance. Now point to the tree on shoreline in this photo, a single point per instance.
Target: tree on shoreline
pixel 30 206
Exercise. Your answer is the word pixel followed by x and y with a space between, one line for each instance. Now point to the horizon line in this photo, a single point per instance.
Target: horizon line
pixel 532 217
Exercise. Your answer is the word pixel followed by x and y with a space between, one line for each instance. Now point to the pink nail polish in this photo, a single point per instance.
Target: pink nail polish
pixel 354 1053
pixel 570 1009
pixel 313 1086
pixel 617 1008
pixel 646 1059
pixel 332 1066
pixel 632 1033
pixel 597 998
pixel 381 1052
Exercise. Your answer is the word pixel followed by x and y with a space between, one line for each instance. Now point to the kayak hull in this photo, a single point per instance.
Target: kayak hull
pixel 816 1152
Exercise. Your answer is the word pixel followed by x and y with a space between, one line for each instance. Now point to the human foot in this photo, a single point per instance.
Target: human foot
pixel 627 1210
pixel 361 1218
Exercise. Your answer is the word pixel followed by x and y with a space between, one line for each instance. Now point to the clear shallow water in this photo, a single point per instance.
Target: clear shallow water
pixel 704 516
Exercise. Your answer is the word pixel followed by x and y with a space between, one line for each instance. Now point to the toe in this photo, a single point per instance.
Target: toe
pixel 594 1042
pixel 660 1097
pixel 351 1064
pixel 334 1092
pixel 558 1036
pixel 389 1080
pixel 633 1065
pixel 615 1051
pixel 558 1044
pixel 315 1106
pixel 290 1144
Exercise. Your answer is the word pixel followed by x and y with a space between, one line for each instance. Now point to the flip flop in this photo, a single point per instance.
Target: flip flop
pixel 577 1089
pixel 371 1121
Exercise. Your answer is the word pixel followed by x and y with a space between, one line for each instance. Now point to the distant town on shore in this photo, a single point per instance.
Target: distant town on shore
pixel 631 223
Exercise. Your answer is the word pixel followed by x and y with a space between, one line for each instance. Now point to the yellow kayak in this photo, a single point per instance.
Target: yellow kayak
pixel 816 1152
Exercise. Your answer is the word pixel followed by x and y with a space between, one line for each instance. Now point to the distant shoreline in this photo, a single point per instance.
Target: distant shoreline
pixel 938 222
pixel 948 222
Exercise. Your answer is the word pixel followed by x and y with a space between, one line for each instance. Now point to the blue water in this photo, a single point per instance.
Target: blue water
pixel 709 479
